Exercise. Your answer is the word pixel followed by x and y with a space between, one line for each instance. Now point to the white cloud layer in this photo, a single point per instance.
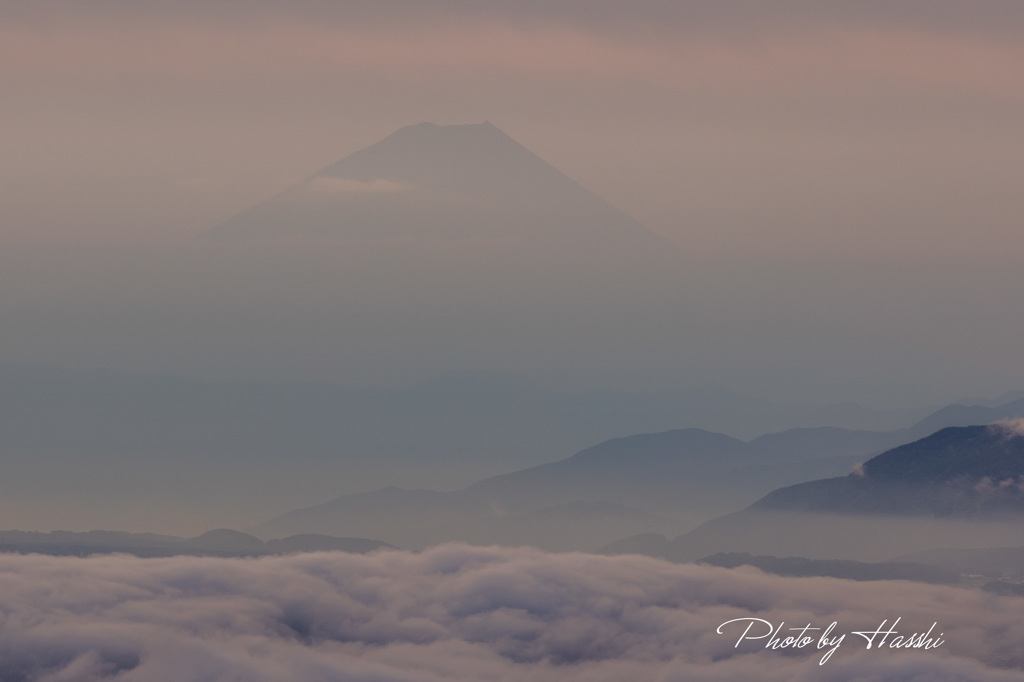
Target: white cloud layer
pixel 1013 427
pixel 467 613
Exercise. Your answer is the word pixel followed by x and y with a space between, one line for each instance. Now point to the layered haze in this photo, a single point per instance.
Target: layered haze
pixel 837 178
pixel 442 341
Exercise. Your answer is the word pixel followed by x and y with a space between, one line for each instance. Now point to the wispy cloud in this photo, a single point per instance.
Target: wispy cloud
pixel 1013 427
pixel 325 185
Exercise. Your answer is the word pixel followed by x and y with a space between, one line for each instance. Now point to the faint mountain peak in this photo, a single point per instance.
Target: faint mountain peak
pixel 226 540
pixel 966 415
pixel 447 181
pixel 470 161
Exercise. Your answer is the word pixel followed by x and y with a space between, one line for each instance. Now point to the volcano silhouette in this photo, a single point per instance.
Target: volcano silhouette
pixel 443 182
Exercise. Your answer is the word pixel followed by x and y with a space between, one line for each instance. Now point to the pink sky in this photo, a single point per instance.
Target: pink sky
pixel 237 103
pixel 843 154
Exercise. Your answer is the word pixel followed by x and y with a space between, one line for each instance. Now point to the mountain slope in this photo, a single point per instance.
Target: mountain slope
pixel 961 486
pixel 660 482
pixel 686 473
pixel 958 471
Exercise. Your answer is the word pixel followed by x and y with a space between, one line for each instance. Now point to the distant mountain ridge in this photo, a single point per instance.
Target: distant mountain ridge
pixel 117 433
pixel 845 569
pixel 648 480
pixel 219 542
pixel 661 481
pixel 961 486
pixel 966 415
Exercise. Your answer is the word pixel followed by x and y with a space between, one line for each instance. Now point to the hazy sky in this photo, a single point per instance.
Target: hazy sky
pixel 855 162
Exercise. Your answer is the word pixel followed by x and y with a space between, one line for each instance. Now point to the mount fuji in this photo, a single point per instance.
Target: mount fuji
pixel 444 182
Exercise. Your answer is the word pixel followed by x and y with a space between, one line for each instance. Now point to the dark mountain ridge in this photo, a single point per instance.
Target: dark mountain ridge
pixel 971 471
pixel 685 475
pixel 959 486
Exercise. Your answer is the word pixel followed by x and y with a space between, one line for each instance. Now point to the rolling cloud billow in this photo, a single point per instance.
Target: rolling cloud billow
pixel 456 612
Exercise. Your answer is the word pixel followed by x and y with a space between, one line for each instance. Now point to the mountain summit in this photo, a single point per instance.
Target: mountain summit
pixel 448 247
pixel 431 181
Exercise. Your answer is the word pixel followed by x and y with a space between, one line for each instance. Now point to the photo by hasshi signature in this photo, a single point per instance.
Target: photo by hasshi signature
pixel 803 637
